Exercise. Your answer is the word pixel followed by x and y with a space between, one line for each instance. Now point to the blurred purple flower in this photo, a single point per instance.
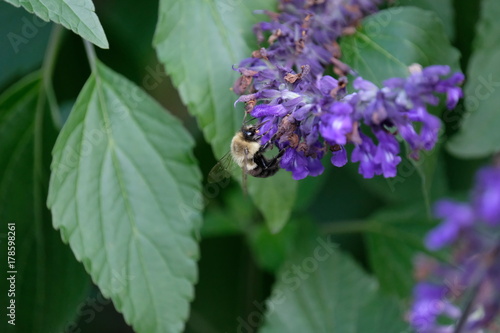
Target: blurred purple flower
pixel 473 274
pixel 430 303
pixel 487 196
pixel 457 217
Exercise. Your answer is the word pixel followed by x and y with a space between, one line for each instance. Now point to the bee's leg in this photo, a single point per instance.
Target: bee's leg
pixel 264 147
pixel 261 161
pixel 265 163
pixel 266 167
pixel 281 152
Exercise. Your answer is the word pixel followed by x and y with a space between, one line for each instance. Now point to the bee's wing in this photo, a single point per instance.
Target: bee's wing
pixel 245 172
pixel 222 169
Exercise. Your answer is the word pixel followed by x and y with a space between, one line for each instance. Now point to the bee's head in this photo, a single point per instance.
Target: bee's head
pixel 250 132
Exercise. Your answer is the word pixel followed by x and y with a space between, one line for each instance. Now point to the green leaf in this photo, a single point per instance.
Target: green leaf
pixel 198 48
pixel 323 290
pixel 50 284
pixel 394 239
pixel 479 135
pixel 275 198
pixel 389 319
pixel 78 16
pixel 271 250
pixel 391 40
pixel 416 181
pixel 385 45
pixel 443 9
pixel 125 193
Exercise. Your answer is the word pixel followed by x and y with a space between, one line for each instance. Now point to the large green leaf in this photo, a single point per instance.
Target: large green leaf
pixel 395 238
pixel 198 48
pixel 385 45
pixel 50 284
pixel 125 193
pixel 416 181
pixel 275 197
pixel 479 135
pixel 443 9
pixel 391 40
pixel 270 250
pixel 78 16
pixel 322 290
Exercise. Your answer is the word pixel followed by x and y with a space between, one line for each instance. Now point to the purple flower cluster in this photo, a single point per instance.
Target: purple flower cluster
pixel 309 115
pixel 305 32
pixel 472 278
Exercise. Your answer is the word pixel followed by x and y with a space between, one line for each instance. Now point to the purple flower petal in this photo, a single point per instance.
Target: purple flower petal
pixel 364 154
pixel 299 165
pixel 430 302
pixel 339 157
pixel 387 153
pixel 457 217
pixel 436 70
pixel 336 124
pixel 487 195
pixel 452 96
pixel 296 163
pixel 327 84
pixel 303 111
pixel 266 110
pixel 314 167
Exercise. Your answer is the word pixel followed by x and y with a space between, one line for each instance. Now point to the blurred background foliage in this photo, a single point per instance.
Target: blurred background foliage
pixel 239 255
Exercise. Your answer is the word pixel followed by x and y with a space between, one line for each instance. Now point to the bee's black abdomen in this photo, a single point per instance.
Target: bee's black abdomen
pixel 264 172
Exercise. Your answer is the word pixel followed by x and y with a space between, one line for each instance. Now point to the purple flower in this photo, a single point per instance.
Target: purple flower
pixel 386 154
pixel 364 154
pixel 457 217
pixel 318 112
pixel 300 165
pixel 308 113
pixel 473 271
pixel 336 123
pixel 487 196
pixel 265 110
pixel 430 302
pixel 304 32
pixel 339 156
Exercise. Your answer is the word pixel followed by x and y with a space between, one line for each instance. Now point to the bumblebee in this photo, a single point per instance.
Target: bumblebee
pixel 247 152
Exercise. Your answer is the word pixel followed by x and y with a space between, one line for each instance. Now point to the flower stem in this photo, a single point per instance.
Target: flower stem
pixel 39 189
pixel 91 56
pixel 468 307
pixel 490 259
pixel 48 71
